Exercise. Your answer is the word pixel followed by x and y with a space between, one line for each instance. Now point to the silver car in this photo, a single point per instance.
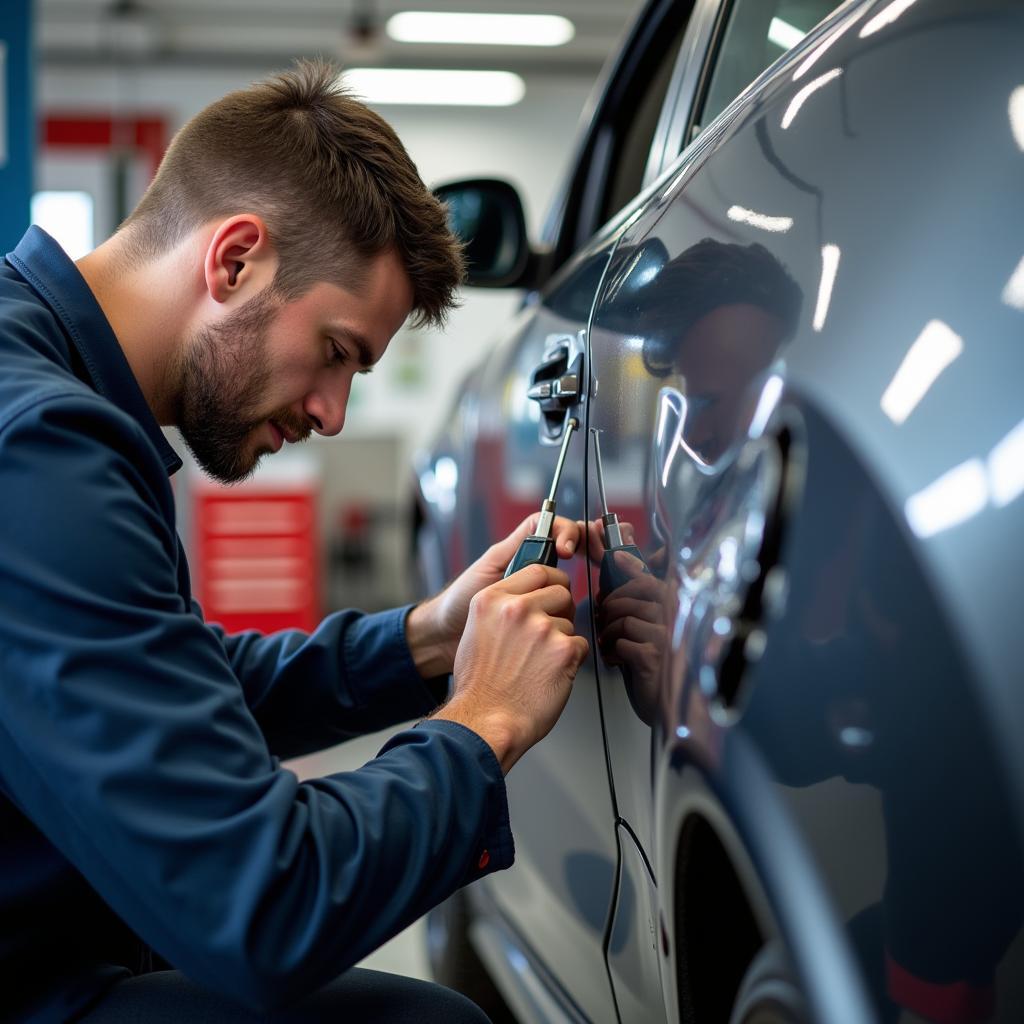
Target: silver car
pixel 783 293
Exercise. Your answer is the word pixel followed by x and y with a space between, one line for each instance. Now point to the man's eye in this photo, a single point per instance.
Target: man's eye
pixel 337 354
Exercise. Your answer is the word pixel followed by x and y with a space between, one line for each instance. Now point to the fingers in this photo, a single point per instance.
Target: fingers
pixel 567 536
pixel 630 628
pixel 580 649
pixel 533 589
pixel 619 607
pixel 566 533
pixel 642 588
pixel 594 532
pixel 553 601
pixel 533 577
pixel 629 564
pixel 637 656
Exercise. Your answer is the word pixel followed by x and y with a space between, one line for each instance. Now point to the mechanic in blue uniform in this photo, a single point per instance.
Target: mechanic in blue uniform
pixel 156 861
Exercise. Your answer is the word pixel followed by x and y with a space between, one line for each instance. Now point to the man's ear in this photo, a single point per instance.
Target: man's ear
pixel 239 258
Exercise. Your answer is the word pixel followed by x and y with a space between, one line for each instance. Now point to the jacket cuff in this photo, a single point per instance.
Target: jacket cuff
pixel 375 647
pixel 492 847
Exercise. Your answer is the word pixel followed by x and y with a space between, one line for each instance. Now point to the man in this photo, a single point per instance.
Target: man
pixel 144 816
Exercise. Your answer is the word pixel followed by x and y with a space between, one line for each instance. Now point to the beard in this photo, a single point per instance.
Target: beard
pixel 221 378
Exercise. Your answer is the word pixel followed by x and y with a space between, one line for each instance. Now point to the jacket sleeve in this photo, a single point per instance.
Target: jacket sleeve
pixel 352 675
pixel 126 738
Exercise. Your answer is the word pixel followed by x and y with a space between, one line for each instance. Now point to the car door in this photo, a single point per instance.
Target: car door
pixel 555 901
pixel 693 316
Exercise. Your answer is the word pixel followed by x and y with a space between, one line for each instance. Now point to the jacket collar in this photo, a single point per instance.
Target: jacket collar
pixel 52 273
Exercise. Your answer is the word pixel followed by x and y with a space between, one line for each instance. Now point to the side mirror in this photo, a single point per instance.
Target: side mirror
pixel 487 214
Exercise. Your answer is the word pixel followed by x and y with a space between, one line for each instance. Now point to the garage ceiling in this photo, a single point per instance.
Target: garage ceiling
pixel 235 32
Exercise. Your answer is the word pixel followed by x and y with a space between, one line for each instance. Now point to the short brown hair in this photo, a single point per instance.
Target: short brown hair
pixel 328 175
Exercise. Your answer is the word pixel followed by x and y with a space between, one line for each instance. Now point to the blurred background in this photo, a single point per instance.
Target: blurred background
pixel 93 90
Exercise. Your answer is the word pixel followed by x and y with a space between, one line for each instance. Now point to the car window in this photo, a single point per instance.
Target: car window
pixel 756 34
pixel 638 121
pixel 610 167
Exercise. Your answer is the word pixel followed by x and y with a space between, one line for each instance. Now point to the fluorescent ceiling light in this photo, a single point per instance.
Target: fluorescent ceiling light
pixel 1013 293
pixel 1017 115
pixel 781 33
pixel 435 88
pixel 886 17
pixel 1006 467
pixel 936 347
pixel 829 268
pixel 764 221
pixel 770 395
pixel 952 499
pixel 821 49
pixel 801 97
pixel 482 29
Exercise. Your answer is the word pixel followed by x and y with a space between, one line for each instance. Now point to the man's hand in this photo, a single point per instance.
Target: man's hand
pixel 434 628
pixel 631 618
pixel 631 630
pixel 518 656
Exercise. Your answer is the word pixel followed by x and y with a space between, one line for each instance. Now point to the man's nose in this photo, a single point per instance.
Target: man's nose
pixel 326 410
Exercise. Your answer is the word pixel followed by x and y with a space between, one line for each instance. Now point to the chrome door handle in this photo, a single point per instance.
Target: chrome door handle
pixel 565 389
pixel 556 385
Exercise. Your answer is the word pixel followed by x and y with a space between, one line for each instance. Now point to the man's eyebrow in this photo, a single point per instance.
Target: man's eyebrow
pixel 361 344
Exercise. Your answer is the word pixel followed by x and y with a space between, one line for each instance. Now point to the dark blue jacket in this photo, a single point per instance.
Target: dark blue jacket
pixel 142 804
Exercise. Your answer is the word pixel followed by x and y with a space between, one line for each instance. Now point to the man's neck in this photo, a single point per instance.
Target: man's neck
pixel 143 303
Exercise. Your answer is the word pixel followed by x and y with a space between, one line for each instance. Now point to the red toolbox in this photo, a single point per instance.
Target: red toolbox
pixel 256 552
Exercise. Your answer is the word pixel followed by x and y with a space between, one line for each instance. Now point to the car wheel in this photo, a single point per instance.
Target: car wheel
pixel 455 964
pixel 769 992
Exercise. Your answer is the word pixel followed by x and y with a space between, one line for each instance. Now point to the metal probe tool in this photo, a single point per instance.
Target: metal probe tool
pixel 539 547
pixel 612 576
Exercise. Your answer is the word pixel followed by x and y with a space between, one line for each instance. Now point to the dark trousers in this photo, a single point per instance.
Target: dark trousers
pixel 358 996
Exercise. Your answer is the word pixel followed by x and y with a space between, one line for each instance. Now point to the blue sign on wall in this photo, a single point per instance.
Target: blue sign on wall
pixel 17 121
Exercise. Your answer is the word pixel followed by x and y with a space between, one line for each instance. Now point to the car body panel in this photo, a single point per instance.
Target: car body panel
pixel 825 482
pixel 874 638
pixel 634 960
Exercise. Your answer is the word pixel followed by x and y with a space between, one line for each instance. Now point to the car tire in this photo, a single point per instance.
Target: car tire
pixel 769 992
pixel 455 964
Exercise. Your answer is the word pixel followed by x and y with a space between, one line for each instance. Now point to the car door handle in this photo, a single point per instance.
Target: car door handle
pixel 564 390
pixel 556 385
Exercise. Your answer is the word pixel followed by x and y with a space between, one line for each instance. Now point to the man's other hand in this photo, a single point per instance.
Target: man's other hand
pixel 517 659
pixel 434 628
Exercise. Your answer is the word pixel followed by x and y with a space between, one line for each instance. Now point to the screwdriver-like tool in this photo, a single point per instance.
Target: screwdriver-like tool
pixel 539 547
pixel 612 576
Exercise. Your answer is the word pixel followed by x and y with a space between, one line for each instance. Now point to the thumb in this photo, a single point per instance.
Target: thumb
pixel 629 564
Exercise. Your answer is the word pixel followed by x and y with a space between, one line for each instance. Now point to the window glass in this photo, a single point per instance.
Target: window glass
pixel 637 128
pixel 758 33
pixel 67 216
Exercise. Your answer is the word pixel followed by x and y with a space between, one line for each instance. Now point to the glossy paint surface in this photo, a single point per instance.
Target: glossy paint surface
pixel 805 361
pixel 866 317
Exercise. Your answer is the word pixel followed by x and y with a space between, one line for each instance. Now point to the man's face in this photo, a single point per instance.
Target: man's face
pixel 271 371
pixel 720 357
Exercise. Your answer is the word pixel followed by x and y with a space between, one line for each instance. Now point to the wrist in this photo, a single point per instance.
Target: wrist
pixel 495 729
pixel 430 648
